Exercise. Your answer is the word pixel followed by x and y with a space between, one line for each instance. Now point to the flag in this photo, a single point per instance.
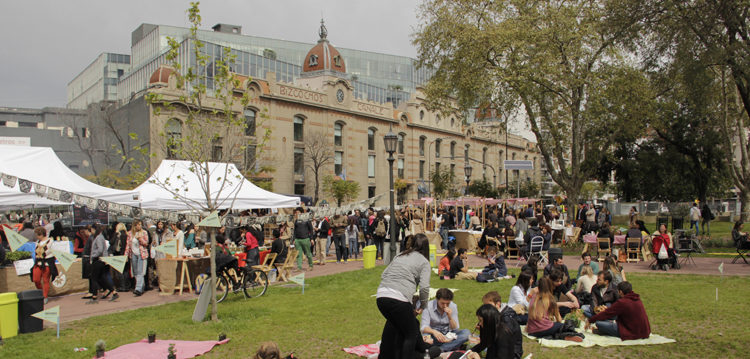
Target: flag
pixel 721 268
pixel 117 262
pixel 211 221
pixel 299 279
pixel 51 314
pixel 16 240
pixel 169 247
pixel 66 259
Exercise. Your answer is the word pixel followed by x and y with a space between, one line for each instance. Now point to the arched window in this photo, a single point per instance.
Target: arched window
pixel 421 115
pixel 422 140
pixel 299 128
pixel 484 161
pixel 453 149
pixel 174 137
pixel 400 149
pixel 250 122
pixel 338 134
pixel 371 139
pixel 437 119
pixel 453 122
pixel 437 148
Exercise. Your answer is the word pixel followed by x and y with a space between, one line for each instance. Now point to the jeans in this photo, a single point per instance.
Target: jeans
pixel 328 244
pixel 552 330
pixel 588 312
pixel 462 335
pixel 303 248
pixel 444 234
pixel 401 337
pixel 706 228
pixel 696 226
pixel 339 242
pixel 608 328
pixel 353 247
pixel 379 245
pixel 138 265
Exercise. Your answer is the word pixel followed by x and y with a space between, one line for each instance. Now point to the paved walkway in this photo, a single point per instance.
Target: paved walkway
pixel 73 307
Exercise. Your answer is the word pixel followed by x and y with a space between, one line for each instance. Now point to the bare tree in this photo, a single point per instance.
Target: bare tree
pixel 318 153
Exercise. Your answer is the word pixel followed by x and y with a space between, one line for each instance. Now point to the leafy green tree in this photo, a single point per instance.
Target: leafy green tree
pixel 483 188
pixel 341 190
pixel 561 62
pixel 443 183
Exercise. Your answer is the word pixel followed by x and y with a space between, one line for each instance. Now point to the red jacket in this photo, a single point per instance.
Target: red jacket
pixel 632 321
pixel 658 241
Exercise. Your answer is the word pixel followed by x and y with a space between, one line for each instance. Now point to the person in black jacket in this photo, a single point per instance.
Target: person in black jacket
pixel 279 247
pixel 499 333
pixel 303 233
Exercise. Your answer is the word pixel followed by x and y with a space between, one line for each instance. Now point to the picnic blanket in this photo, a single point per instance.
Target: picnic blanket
pixel 595 339
pixel 365 350
pixel 160 348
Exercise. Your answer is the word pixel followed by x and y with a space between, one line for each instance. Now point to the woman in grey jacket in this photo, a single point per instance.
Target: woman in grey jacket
pixel 409 270
pixel 98 279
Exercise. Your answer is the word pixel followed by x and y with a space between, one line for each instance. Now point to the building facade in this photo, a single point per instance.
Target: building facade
pixel 98 81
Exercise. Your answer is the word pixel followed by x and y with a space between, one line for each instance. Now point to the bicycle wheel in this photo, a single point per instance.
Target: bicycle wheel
pixel 222 289
pixel 255 284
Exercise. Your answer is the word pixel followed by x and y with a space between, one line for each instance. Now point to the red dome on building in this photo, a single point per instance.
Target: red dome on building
pixel 161 75
pixel 323 56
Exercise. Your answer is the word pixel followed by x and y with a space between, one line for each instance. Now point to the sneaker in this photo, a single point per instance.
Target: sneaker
pixel 574 338
pixel 114 297
pixel 138 293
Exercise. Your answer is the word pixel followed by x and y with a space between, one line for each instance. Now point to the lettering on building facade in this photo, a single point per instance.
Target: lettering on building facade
pixel 301 94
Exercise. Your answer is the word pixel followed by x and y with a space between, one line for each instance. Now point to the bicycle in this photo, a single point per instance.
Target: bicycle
pixel 252 282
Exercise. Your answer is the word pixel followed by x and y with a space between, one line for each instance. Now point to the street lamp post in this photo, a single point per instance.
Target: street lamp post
pixel 467 172
pixel 391 141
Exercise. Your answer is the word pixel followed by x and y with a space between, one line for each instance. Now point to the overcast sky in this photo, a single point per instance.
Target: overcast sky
pixel 47 43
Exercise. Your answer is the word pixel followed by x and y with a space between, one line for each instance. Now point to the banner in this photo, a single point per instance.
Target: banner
pixel 23 266
pixel 14 239
pixel 50 315
pixel 299 279
pixel 169 247
pixel 66 259
pixel 211 221
pixel 116 262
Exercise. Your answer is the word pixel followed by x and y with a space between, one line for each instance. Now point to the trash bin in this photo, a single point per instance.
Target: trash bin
pixel 433 251
pixel 8 315
pixel 368 256
pixel 30 302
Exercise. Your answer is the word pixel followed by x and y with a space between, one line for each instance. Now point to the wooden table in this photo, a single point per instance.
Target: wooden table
pixel 170 269
pixel 72 283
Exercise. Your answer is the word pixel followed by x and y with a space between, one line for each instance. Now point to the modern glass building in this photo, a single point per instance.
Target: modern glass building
pixel 375 76
pixel 98 82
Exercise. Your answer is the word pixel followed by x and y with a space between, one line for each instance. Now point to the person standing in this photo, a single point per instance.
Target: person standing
pixel 379 228
pixel 695 216
pixel 44 271
pixel 98 278
pixel 251 247
pixel 339 236
pixel 352 236
pixel 137 252
pixel 320 243
pixel 303 231
pixel 707 216
pixel 408 272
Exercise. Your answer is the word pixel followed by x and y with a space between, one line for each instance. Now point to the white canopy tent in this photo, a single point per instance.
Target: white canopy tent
pixel 176 185
pixel 42 166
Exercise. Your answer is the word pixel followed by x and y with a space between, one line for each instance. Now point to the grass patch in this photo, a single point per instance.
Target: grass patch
pixel 339 311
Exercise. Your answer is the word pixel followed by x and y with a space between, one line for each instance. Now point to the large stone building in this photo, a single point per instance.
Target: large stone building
pixel 323 100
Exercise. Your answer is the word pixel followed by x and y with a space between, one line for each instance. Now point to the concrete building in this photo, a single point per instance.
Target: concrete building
pixel 98 81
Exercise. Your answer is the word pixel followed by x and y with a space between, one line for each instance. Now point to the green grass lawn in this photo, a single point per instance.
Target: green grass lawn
pixel 339 311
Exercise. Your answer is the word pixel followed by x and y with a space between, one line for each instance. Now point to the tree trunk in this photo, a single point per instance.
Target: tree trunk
pixel 744 197
pixel 214 306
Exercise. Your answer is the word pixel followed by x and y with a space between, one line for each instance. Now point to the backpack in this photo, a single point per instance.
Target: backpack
pixel 380 228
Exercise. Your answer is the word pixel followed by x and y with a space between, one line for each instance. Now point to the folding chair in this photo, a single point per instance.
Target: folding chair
pixel 602 246
pixel 535 247
pixel 511 249
pixel 267 264
pixel 685 245
pixel 633 248
pixel 286 267
pixel 741 253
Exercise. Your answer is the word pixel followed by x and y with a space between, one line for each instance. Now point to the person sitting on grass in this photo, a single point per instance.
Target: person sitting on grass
pixel 544 314
pixel 444 267
pixel 566 300
pixel 510 321
pixel 556 262
pixel 519 296
pixel 603 294
pixel 632 322
pixel 440 320
pixel 494 335
pixel 458 269
pixel 492 231
pixel 586 280
pixel 531 267
pixel 269 350
pixel 617 272
pixel 587 261
pixel 496 263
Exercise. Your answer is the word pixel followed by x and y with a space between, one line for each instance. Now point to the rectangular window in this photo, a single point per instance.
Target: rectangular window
pixel 371 166
pixel 298 129
pixel 421 169
pixel 217 151
pixel 437 167
pixel 370 191
pixel 299 188
pixel 453 150
pixel 299 161
pixel 250 158
pixel 400 144
pixel 337 140
pixel 371 140
pixel 453 168
pixel 338 161
pixel 421 146
pixel 401 168
pixel 250 122
pixel 437 149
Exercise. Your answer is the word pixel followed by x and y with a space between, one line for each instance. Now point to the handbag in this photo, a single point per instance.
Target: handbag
pixel 663 252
